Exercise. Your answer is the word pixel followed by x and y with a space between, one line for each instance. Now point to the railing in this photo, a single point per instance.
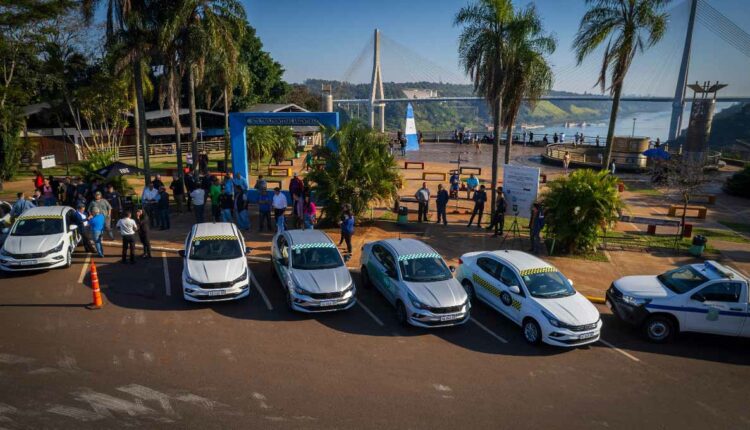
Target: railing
pixel 162 149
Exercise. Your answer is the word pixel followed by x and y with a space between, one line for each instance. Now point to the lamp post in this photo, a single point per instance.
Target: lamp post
pixel 632 134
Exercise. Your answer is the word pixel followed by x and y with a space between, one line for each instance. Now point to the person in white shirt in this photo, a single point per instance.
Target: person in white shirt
pixel 127 228
pixel 149 198
pixel 423 198
pixel 198 197
pixel 279 204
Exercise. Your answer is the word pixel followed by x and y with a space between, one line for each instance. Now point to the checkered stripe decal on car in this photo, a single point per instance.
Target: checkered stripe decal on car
pixel 418 255
pixel 25 217
pixel 216 237
pixel 537 270
pixel 494 290
pixel 313 245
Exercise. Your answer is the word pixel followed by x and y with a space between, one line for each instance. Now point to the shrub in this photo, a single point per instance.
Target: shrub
pixel 739 183
pixel 578 206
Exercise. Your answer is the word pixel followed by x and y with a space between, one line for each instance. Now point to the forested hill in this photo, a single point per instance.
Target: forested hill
pixel 449 115
pixel 729 125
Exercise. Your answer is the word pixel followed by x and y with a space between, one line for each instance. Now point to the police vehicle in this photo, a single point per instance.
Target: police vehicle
pixel 215 263
pixel 41 238
pixel 416 281
pixel 312 273
pixel 704 298
pixel 533 294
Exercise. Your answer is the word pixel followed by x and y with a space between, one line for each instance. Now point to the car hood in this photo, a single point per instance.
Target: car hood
pixel 31 244
pixel 573 310
pixel 438 294
pixel 642 287
pixel 216 270
pixel 324 280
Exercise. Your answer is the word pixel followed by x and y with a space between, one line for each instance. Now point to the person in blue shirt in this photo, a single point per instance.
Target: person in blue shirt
pixel 240 182
pixel 442 203
pixel 264 209
pixel 455 184
pixel 229 184
pixel 347 229
pixel 21 205
pixel 471 185
pixel 96 223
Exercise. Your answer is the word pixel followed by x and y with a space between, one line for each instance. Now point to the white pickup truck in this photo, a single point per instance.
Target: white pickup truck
pixel 704 298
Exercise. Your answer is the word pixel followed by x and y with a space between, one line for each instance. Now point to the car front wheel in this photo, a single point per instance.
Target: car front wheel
pixel 532 332
pixel 401 314
pixel 69 258
pixel 659 329
pixel 470 291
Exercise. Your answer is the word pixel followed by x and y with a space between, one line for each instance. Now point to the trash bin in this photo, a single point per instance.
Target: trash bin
pixel 699 245
pixel 687 230
pixel 403 215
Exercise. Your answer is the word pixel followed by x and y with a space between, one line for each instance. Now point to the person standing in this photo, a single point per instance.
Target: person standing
pixel 127 228
pixel 115 203
pixel 531 138
pixel 105 209
pixel 239 181
pixel 442 204
pixel 190 185
pixel 536 224
pixel 261 183
pixel 162 206
pixel 545 141
pixel 229 184
pixel 566 161
pixel 48 194
pixel 455 182
pixel 423 199
pixel 178 191
pixel 612 167
pixel 555 138
pixel 157 183
pixel 82 221
pixel 264 209
pixel 347 230
pixel 279 204
pixel 471 185
pixel 141 220
pixel 96 223
pixel 240 205
pixel 480 197
pixel 21 205
pixel 198 197
pixel 215 193
pixel 38 180
pixel 227 207
pixel 402 142
pixel 310 212
pixel 498 221
pixel 149 198
pixel 597 140
pixel 309 161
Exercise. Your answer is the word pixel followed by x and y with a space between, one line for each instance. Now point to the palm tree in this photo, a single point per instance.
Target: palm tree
pixel 528 73
pixel 630 27
pixel 484 51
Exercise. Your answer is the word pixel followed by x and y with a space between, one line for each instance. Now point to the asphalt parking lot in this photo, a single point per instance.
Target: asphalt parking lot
pixel 150 359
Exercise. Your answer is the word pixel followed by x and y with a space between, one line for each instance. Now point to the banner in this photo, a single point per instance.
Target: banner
pixel 410 131
pixel 521 187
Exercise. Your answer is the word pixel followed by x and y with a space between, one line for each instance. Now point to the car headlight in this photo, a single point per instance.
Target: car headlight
pixel 190 280
pixel 296 288
pixel 416 303
pixel 241 278
pixel 5 253
pixel 552 320
pixel 635 301
pixel 58 248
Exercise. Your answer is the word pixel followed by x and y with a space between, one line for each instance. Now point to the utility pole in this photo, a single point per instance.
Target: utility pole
pixel 377 85
pixel 678 105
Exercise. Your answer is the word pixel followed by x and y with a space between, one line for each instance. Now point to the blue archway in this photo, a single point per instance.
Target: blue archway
pixel 238 121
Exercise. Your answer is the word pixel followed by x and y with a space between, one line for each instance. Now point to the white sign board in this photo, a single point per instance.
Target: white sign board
pixel 48 161
pixel 521 187
pixel 189 158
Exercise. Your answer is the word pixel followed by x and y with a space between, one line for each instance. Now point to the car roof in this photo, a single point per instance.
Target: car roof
pixel 407 246
pixel 714 270
pixel 214 229
pixel 520 260
pixel 45 210
pixel 301 237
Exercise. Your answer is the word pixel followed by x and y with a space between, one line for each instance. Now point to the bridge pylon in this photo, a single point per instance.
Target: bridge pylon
pixel 377 86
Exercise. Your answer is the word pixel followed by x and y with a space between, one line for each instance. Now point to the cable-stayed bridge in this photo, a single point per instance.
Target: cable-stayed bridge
pixel 701 44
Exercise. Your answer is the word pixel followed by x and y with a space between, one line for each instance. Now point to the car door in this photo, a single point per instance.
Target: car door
pixel 511 302
pixel 486 281
pixel 382 271
pixel 281 258
pixel 716 308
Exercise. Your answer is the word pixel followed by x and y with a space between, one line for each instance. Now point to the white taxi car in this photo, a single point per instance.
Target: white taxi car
pixel 215 263
pixel 417 282
pixel 705 298
pixel 533 294
pixel 312 272
pixel 41 238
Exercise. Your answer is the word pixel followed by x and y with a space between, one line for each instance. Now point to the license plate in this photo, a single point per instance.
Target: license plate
pixel 587 336
pixel 216 293
pixel 328 303
pixel 451 317
pixel 608 303
pixel 27 262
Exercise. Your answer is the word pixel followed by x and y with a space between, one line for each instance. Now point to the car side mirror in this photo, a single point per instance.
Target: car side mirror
pixel 698 297
pixel 248 250
pixel 71 227
pixel 182 253
pixel 571 282
pixel 514 289
pixel 452 269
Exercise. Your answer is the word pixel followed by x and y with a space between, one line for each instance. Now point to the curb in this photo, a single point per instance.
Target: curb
pixel 176 250
pixel 597 300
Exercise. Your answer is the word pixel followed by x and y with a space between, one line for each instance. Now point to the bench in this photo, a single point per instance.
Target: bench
pixel 652 223
pixel 425 176
pixel 710 198
pixel 414 163
pixel 289 161
pixel 274 182
pixel 474 170
pixel 701 210
pixel 280 171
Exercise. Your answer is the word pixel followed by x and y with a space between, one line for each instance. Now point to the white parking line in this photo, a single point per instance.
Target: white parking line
pixel 370 313
pixel 490 332
pixel 626 354
pixel 83 268
pixel 260 290
pixel 167 283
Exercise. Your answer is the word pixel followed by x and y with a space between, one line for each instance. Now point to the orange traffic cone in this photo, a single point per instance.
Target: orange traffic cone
pixel 97 303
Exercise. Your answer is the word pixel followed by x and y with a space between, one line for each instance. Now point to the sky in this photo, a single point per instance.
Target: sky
pixel 322 39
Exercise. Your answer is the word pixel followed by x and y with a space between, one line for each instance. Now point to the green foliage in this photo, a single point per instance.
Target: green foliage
pixel 266 83
pixel 95 160
pixel 359 173
pixel 10 143
pixel 278 143
pixel 578 206
pixel 739 183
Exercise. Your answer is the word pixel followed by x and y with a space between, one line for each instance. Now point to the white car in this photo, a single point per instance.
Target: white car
pixel 41 238
pixel 704 298
pixel 533 294
pixel 312 273
pixel 416 281
pixel 215 264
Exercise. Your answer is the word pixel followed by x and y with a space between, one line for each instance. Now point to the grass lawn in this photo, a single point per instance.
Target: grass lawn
pixel 725 235
pixel 643 240
pixel 737 226
pixel 641 187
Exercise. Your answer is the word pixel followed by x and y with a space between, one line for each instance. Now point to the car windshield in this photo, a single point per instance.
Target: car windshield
pixel 38 227
pixel 424 269
pixel 316 258
pixel 548 285
pixel 682 280
pixel 222 249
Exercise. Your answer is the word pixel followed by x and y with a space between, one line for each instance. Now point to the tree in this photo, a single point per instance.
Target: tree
pixel 266 83
pixel 578 206
pixel 739 183
pixel 684 177
pixel 301 96
pixel 630 27
pixel 529 75
pixel 484 52
pixel 360 172
pixel 278 143
pixel 103 105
